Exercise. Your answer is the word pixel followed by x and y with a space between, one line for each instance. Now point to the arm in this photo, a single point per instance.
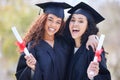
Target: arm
pixel 34 66
pixel 104 73
pixel 101 71
pixel 24 71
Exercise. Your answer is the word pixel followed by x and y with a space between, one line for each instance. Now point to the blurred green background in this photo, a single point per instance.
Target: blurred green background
pixel 21 13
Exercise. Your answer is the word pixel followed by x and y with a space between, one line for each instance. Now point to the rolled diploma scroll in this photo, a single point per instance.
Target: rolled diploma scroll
pixel 98 48
pixel 19 39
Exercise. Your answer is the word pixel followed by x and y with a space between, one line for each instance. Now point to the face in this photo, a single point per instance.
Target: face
pixel 78 25
pixel 53 24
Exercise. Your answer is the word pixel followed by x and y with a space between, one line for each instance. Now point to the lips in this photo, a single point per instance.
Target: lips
pixel 75 30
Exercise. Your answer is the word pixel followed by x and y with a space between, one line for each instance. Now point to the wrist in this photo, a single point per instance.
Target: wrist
pixel 33 67
pixel 93 37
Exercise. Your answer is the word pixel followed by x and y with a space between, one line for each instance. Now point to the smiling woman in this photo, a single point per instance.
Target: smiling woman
pixel 49 51
pixel 53 24
pixel 82 23
pixel 78 20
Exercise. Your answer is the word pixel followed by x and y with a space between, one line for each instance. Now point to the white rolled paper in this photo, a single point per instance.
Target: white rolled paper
pixel 99 46
pixel 100 42
pixel 19 39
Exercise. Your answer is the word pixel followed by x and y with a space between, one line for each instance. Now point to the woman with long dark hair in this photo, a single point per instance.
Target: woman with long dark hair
pixel 80 25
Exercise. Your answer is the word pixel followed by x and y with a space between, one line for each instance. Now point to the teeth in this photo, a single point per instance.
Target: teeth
pixel 51 29
pixel 74 28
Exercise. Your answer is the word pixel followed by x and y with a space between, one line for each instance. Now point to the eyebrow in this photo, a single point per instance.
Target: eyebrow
pixel 78 18
pixel 50 17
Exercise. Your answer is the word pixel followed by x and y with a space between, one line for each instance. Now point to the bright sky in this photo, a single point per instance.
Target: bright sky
pixel 94 3
pixel 71 2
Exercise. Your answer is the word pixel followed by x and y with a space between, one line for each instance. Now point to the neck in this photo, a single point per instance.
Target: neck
pixel 77 43
pixel 48 37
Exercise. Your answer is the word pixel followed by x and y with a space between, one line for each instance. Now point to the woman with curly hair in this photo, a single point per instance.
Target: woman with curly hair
pixel 49 52
pixel 81 24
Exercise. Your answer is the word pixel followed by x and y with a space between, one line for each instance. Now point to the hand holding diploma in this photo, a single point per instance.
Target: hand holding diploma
pixel 97 57
pixel 20 42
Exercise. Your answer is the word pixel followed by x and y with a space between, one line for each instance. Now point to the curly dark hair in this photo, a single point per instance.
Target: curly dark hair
pixel 91 29
pixel 36 31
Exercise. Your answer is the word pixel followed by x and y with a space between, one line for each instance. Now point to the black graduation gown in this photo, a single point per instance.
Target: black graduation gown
pixel 51 62
pixel 80 62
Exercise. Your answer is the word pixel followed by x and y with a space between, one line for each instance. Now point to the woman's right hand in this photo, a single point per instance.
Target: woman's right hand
pixel 92 41
pixel 30 61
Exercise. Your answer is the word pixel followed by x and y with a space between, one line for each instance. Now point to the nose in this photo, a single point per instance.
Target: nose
pixel 53 24
pixel 75 23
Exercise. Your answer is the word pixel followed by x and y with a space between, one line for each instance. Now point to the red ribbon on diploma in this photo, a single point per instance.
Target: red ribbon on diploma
pixel 21 46
pixel 98 53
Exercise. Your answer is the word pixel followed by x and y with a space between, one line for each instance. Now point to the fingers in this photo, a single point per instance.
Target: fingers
pixel 30 60
pixel 94 69
pixel 87 46
pixel 94 66
pixel 93 45
pixel 93 42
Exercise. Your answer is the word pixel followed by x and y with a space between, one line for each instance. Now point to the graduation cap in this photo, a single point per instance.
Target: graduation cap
pixel 56 8
pixel 86 10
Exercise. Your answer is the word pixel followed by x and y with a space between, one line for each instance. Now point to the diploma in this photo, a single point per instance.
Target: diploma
pixel 98 52
pixel 19 39
pixel 99 49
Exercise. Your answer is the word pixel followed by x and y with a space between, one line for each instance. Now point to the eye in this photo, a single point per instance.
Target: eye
pixel 58 22
pixel 72 20
pixel 80 21
pixel 49 19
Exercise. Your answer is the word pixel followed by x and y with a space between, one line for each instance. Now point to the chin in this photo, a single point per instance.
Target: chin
pixel 74 37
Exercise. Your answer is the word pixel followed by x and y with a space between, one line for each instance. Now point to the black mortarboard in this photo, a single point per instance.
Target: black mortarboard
pixel 56 8
pixel 86 10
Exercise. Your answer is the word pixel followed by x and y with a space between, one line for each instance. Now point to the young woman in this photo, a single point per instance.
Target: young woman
pixel 82 23
pixel 49 51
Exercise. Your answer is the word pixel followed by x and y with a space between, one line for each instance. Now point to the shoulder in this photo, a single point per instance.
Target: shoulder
pixel 60 39
pixel 89 53
pixel 62 42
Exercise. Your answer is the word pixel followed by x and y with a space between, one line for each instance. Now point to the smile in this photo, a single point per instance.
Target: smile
pixel 51 29
pixel 75 30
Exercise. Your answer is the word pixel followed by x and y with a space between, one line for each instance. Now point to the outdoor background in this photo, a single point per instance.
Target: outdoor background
pixel 21 13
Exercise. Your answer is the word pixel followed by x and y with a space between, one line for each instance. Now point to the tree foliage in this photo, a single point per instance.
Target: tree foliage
pixel 14 13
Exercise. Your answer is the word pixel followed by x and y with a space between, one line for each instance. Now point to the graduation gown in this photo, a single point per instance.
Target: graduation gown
pixel 51 62
pixel 80 62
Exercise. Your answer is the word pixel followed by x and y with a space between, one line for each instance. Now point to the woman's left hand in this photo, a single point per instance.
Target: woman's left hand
pixel 94 68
